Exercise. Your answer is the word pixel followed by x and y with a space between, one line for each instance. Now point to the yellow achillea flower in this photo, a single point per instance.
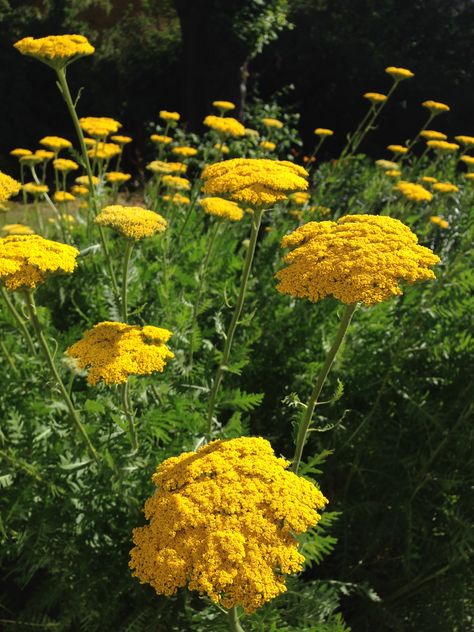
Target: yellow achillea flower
pixel 159 138
pixel 251 132
pixel 413 192
pixel 175 182
pixel 63 196
pixel 375 97
pixel 224 105
pixel 323 210
pixel 467 141
pixel 255 181
pixel 397 149
pixel 358 259
pixel 445 187
pixel 300 197
pixel 268 145
pixel 30 159
pixel 8 187
pixel 104 151
pixel 428 179
pixel 169 116
pixel 386 164
pixel 19 152
pixel 160 166
pixel 56 51
pixel 63 164
pixel 121 140
pixel 177 198
pixel 55 143
pixel 133 222
pixel 90 142
pixel 99 125
pixel 431 134
pixel 223 521
pixel 296 213
pixel 186 152
pixel 272 122
pixel 469 176
pixel 79 189
pixel 27 260
pixel 227 125
pixel 322 131
pixel 439 221
pixel 399 74
pixel 393 173
pixel 35 189
pixel 442 145
pixel 222 208
pixel 112 351
pixel 435 107
pixel 468 160
pixel 222 148
pixel 84 180
pixel 17 229
pixel 117 177
pixel 44 154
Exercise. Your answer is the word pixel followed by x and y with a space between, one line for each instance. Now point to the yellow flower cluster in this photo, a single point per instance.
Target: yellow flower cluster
pixel 442 145
pixel 300 197
pixel 43 154
pixel 272 122
pixel 223 105
pixel 169 116
pixel 55 50
pixel 160 166
pixel 176 198
pixel 99 126
pixel 222 208
pixel 268 145
pixel 467 141
pixel 104 151
pixel 8 187
pixel 386 164
pixel 258 182
pixel 375 97
pixel 428 179
pixel 445 187
pixel 322 131
pixel 399 73
pixel 469 176
pixel 159 138
pixel 134 222
pixel 112 351
pixel 468 160
pixel 117 177
pixel 413 192
pixel 63 196
pixel 26 261
pixel 431 134
pixel 121 140
pixel 17 229
pixel 435 107
pixel 227 125
pixel 63 164
pixel 79 189
pixel 397 149
pixel 185 152
pixel 439 221
pixel 84 180
pixel 20 152
pixel 35 189
pixel 359 258
pixel 393 173
pixel 223 521
pixel 175 182
pixel 56 143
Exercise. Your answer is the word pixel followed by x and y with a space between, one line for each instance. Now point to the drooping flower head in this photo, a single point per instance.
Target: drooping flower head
pixel 399 74
pixel 228 125
pixel 56 51
pixel 26 261
pixel 222 208
pixel 112 351
pixel 255 181
pixel 223 521
pixel 134 222
pixel 8 187
pixel 359 258
pixel 99 126
pixel 413 192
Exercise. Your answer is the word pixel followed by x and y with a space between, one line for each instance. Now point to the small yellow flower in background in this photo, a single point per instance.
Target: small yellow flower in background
pixel 467 141
pixel 442 145
pixel 435 107
pixel 44 154
pixel 112 351
pixel 80 190
pixel 222 148
pixel 439 221
pixel 272 122
pixel 431 134
pixel 117 177
pixel 176 182
pixel 300 197
pixel 445 187
pixel 386 164
pixel 225 106
pixel 160 166
pixel 169 116
pixel 185 152
pixel 375 97
pixel 35 189
pixel 84 180
pixel 121 140
pixel 255 181
pixel 251 132
pixel 227 125
pixel 17 229
pixel 177 198
pixel 268 145
pixel 63 164
pixel 237 556
pixel 63 196
pixel 358 259
pixel 468 160
pixel 8 187
pixel 19 152
pixel 397 149
pixel 104 151
pixel 428 179
pixel 413 192
pixel 56 51
pixel 322 131
pixel 27 260
pixel 31 159
pixel 160 139
pixel 399 74
pixel 99 126
pixel 67 217
pixel 296 213
pixel 469 176
pixel 222 208
pixel 393 173
pixel 322 210
pixel 56 143
pixel 133 222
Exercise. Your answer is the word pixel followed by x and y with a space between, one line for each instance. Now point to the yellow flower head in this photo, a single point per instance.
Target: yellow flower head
pixel 8 187
pixel 439 221
pixel 435 107
pixel 176 182
pixel 469 176
pixel 386 164
pixel 56 51
pixel 224 106
pixel 397 149
pixel 63 164
pixel 55 143
pixel 467 141
pixel 222 208
pixel 176 198
pixel 413 192
pixel 80 190
pixel 375 97
pixel 393 173
pixel 268 145
pixel 222 148
pixel 117 177
pixel 121 140
pixel 254 181
pixel 223 521
pixel 428 179
pixel 169 116
pixel 445 187
pixel 468 160
pixel 17 229
pixel 251 132
pixel 19 152
pixel 112 351
pixel 35 189
pixel 431 134
pixel 99 126
pixel 359 258
pixel 28 260
pixel 84 180
pixel 272 122
pixel 63 196
pixel 104 151
pixel 31 159
pixel 133 222
pixel 44 154
pixel 90 142
pixel 185 152
pixel 399 74
pixel 300 197
pixel 160 139
pixel 227 125
pixel 322 131
pixel 160 166
pixel 442 145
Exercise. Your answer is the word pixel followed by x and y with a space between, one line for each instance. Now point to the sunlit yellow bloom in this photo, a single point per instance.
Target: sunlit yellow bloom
pixel 223 105
pixel 90 142
pixel 84 180
pixel 63 164
pixel 436 219
pixel 44 154
pixel 413 192
pixel 222 148
pixel 442 145
pixel 117 177
pixel 159 166
pixel 296 213
pixel 300 197
pixel 467 141
pixel 223 522
pixel 63 196
pixel 227 125
pixel 159 138
pixel 255 181
pixel 28 260
pixel 322 131
pixel 268 145
pixel 112 351
pixel 55 50
pixel 431 134
pixel 222 208
pixel 468 160
pixel 393 173
pixel 133 222
pixel 17 229
pixel 469 176
pixel 121 140
pixel 8 187
pixel 79 189
pixel 386 164
pixel 176 198
pixel 435 107
pixel 169 116
pixel 428 179
pixel 375 97
pixel 35 189
pixel 55 143
pixel 19 152
pixel 397 149
pixel 272 122
pixel 31 159
pixel 175 182
pixel 359 258
pixel 251 132
pixel 445 187
pixel 186 152
pixel 99 126
pixel 399 74
pixel 104 151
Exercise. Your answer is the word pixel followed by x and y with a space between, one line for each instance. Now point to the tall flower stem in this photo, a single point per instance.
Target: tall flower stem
pixel 10 361
pixel 126 266
pixel 318 387
pixel 74 415
pixel 256 221
pixel 18 320
pixel 127 409
pixel 234 620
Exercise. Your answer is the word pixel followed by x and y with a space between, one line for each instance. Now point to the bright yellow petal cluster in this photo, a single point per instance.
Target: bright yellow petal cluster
pixel 222 208
pixel 19 152
pixel 227 125
pixel 44 154
pixel 176 198
pixel 160 166
pixel 17 229
pixel 399 73
pixel 55 142
pixel 104 151
pixel 31 159
pixel 112 351
pixel 175 182
pixel 224 149
pixel 414 192
pixel 300 197
pixel 55 50
pixel 272 122
pixel 35 189
pixel 223 521
pixel 359 258
pixel 63 164
pixel 255 181
pixel 84 180
pixel 63 196
pixel 117 177
pixel 467 141
pixel 79 189
pixel 99 125
pixel 469 176
pixel 8 187
pixel 386 164
pixel 428 179
pixel 435 107
pixel 186 152
pixel 375 97
pixel 133 222
pixel 445 187
pixel 224 105
pixel 431 134
pixel 468 160
pixel 26 261
pixel 442 145
pixel 268 145
pixel 159 138
pixel 322 131
pixel 169 116
pixel 397 149
pixel 439 221
pixel 393 173
pixel 121 140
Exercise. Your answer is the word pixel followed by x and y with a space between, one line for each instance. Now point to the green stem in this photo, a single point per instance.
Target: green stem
pixel 256 221
pixel 318 387
pixel 234 623
pixel 18 320
pixel 9 359
pixel 125 395
pixel 126 265
pixel 31 307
